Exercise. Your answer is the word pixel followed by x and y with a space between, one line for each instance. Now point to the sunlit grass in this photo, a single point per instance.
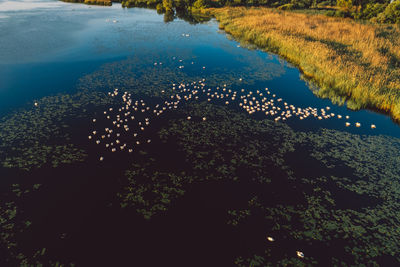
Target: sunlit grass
pixel 347 59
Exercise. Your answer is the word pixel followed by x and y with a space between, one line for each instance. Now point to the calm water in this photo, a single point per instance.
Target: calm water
pixel 50 47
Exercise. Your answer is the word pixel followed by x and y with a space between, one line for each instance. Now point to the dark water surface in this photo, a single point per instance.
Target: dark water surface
pixel 46 50
pixel 205 192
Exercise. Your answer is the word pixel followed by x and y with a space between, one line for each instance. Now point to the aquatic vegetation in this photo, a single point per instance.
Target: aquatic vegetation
pixel 13 223
pixel 297 197
pixel 141 76
pixel 135 115
pixel 231 146
pixel 41 134
pixel 346 228
pixel 346 59
pixel 215 141
pixel 149 191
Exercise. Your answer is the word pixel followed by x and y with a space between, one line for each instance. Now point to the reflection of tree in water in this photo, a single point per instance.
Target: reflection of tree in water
pixel 168 17
pixel 191 17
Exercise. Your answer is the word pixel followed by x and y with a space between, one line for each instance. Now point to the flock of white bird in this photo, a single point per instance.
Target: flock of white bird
pixel 131 119
pixel 128 121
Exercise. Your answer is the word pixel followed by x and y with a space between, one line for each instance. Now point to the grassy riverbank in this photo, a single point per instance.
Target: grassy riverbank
pixel 348 60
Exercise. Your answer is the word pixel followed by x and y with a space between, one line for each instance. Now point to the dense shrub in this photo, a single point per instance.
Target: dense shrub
pixel 160 8
pixel 391 14
pixel 199 4
pixel 345 4
pixel 168 5
pixel 370 11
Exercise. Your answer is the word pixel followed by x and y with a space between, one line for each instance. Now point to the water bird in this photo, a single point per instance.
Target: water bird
pixel 300 254
pixel 101 158
pixel 373 126
pixel 358 124
pixel 36 104
pixel 270 239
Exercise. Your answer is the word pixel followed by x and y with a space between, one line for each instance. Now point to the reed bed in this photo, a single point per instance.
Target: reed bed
pixel 350 61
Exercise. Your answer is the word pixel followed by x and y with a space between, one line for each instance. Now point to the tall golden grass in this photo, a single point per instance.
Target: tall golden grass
pixel 348 60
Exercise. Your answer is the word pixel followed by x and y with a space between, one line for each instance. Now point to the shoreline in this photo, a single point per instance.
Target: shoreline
pixel 356 71
pixel 333 63
pixel 90 2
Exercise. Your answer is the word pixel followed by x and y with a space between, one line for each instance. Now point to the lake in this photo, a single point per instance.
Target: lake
pixel 130 138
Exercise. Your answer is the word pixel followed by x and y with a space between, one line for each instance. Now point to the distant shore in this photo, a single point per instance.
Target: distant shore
pixel 91 2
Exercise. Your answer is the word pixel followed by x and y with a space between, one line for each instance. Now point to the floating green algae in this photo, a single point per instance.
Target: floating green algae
pixel 41 134
pixel 13 224
pixel 331 194
pixel 303 208
pixel 141 76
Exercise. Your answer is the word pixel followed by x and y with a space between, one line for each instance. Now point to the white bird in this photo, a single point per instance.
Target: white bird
pixel 300 254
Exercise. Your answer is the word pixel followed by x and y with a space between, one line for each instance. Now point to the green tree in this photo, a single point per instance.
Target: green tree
pixel 168 6
pixel 391 14
pixel 345 4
